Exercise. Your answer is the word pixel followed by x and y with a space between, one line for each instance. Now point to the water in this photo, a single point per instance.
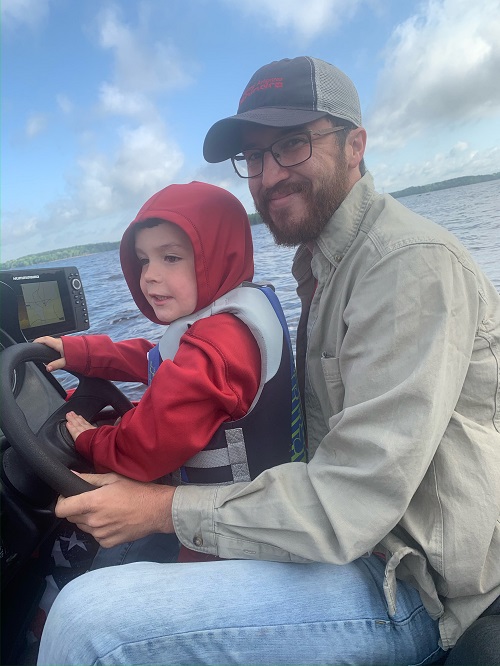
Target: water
pixel 471 212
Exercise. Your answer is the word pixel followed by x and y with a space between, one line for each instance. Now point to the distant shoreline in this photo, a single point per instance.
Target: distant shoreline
pixel 444 185
pixel 94 248
pixel 61 253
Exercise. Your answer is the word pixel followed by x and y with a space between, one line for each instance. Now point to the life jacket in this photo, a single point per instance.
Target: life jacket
pixel 272 431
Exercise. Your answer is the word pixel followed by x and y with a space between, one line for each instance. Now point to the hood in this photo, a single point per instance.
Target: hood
pixel 219 230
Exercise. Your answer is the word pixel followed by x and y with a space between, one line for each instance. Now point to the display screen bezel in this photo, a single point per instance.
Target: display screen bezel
pixel 41 276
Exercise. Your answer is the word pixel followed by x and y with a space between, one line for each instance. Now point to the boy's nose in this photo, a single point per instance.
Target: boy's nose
pixel 151 274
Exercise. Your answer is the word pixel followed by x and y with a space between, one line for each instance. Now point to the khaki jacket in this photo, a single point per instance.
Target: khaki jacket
pixel 398 348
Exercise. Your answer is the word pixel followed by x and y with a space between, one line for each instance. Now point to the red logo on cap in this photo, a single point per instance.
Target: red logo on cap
pixel 262 85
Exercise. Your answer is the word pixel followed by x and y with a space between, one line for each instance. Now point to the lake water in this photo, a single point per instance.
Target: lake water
pixel 471 212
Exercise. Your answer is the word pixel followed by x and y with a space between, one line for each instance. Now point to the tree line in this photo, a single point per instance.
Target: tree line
pixel 61 253
pixel 445 184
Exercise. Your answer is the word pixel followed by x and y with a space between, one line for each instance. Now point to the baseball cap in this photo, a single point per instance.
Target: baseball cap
pixel 285 93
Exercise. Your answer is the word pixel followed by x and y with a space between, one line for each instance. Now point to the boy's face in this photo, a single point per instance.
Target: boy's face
pixel 168 277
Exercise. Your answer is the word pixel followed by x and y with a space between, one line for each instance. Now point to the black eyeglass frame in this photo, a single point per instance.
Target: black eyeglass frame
pixel 307 132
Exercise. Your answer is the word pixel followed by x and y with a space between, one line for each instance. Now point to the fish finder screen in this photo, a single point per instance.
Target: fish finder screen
pixel 40 304
pixel 42 301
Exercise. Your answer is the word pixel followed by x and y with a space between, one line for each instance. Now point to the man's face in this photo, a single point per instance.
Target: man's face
pixel 297 202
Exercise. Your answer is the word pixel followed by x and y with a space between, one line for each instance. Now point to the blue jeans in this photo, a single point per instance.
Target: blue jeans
pixel 237 612
pixel 152 548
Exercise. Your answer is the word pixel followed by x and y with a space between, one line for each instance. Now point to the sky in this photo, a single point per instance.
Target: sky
pixel 106 102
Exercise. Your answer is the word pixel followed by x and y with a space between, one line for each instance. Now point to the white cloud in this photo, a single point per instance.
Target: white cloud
pixel 35 125
pixel 442 68
pixel 24 12
pixel 459 148
pixel 17 226
pixel 64 103
pixel 115 101
pixel 223 175
pixel 141 65
pixel 103 193
pixel 307 19
pixel 105 185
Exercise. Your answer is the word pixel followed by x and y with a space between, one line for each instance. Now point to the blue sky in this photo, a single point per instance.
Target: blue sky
pixel 104 103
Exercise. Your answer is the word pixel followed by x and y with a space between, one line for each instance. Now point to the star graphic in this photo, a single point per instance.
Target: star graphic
pixel 74 541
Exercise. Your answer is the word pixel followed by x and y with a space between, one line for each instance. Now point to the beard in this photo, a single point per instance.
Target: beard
pixel 331 191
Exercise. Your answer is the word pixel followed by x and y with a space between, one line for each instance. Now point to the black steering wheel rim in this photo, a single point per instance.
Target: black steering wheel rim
pixel 37 449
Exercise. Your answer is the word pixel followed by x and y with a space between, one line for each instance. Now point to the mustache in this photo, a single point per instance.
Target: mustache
pixel 284 189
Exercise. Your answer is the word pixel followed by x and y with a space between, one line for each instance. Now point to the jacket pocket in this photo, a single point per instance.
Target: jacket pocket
pixel 333 382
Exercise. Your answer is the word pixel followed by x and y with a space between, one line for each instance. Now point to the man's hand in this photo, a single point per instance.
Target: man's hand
pixel 120 509
pixel 57 345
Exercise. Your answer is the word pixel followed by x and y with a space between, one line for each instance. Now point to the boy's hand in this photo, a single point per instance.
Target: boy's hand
pixel 76 424
pixel 57 345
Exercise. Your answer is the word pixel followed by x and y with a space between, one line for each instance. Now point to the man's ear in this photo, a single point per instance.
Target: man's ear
pixel 355 147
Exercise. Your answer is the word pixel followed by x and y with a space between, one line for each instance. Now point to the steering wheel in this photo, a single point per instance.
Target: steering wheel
pixel 50 451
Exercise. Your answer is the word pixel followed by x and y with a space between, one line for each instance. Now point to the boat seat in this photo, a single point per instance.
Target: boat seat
pixel 479 645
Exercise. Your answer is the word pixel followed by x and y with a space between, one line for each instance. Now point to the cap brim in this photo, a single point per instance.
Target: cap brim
pixel 223 139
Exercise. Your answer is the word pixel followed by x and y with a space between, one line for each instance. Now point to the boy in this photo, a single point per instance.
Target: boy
pixel 222 403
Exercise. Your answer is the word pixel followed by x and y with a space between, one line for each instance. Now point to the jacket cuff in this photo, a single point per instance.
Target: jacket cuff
pixel 83 443
pixel 75 353
pixel 193 518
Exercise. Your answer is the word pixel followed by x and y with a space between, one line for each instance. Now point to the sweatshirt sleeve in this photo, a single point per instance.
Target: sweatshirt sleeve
pixel 213 378
pixel 99 356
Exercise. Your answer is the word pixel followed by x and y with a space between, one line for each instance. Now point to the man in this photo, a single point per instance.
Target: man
pixel 388 541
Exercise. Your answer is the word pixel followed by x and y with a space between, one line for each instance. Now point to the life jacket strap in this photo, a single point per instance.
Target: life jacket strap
pixel 234 456
pixel 154 362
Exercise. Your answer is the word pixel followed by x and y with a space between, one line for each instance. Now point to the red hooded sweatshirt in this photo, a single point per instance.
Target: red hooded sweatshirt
pixel 215 373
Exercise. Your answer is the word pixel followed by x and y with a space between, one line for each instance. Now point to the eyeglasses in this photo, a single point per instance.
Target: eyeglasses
pixel 288 152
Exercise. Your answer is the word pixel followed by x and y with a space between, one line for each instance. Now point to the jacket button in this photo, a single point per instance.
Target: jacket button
pixel 198 541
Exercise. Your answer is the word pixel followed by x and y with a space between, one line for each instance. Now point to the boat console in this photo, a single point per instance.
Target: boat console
pixel 33 302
